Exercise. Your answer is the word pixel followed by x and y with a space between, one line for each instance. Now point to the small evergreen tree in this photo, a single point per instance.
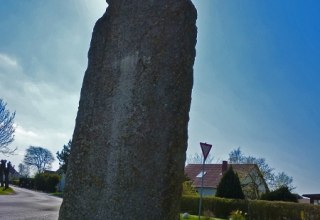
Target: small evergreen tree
pixel 63 157
pixel 229 186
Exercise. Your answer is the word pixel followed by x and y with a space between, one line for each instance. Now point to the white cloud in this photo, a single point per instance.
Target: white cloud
pixel 7 61
pixel 25 134
pixel 92 10
pixel 52 139
pixel 41 80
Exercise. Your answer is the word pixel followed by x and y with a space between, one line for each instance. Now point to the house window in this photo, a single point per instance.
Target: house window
pixel 201 174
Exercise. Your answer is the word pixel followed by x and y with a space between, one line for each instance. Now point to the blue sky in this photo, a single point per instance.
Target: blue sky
pixel 256 77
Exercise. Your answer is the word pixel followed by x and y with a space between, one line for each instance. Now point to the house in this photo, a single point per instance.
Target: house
pixel 13 174
pixel 62 182
pixel 314 198
pixel 251 179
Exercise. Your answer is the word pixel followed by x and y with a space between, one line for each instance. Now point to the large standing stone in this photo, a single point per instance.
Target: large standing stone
pixel 129 143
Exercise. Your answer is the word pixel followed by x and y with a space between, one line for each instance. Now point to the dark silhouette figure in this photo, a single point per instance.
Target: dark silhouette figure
pixel 6 175
pixel 2 168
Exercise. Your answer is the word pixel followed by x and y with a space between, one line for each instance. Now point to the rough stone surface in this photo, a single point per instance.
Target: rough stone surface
pixel 129 143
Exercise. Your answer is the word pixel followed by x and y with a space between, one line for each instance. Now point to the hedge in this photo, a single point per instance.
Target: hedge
pixel 46 182
pixel 26 182
pixel 256 209
pixel 15 182
pixel 266 210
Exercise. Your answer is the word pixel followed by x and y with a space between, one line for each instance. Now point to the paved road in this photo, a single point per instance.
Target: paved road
pixel 27 204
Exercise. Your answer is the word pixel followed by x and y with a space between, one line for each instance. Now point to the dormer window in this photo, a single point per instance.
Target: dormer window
pixel 201 174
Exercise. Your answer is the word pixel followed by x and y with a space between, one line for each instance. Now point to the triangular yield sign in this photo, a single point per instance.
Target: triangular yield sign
pixel 205 149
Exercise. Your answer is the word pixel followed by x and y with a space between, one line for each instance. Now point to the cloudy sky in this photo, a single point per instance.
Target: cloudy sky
pixel 256 76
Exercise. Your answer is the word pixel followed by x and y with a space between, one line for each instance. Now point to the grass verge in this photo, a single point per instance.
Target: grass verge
pixel 195 217
pixel 57 194
pixel 8 191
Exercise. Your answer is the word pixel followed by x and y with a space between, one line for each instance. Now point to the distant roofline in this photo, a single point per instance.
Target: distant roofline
pixel 314 196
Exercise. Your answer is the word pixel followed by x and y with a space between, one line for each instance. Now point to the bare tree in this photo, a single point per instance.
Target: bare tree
pixel 267 174
pixel 265 169
pixel 7 128
pixel 283 180
pixel 24 170
pixel 252 182
pixel 236 156
pixel 198 159
pixel 38 157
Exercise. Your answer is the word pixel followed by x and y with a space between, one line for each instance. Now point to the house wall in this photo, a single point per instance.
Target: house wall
pixel 13 176
pixel 207 191
pixel 316 202
pixel 61 183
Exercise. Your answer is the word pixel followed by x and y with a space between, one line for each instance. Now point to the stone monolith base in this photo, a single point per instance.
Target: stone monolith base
pixel 129 143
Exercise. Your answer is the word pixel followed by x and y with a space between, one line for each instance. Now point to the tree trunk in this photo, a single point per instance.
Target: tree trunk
pixel 128 148
pixel 2 168
pixel 1 178
pixel 6 178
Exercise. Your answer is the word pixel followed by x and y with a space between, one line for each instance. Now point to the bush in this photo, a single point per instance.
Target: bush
pixel 26 182
pixel 237 215
pixel 46 182
pixel 267 210
pixel 256 209
pixel 188 189
pixel 15 182
pixel 220 207
pixel 281 194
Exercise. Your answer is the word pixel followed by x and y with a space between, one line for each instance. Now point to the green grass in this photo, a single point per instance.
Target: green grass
pixel 8 191
pixel 58 194
pixel 195 217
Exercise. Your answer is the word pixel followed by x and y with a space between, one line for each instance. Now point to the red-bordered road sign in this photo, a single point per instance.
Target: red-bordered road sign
pixel 205 149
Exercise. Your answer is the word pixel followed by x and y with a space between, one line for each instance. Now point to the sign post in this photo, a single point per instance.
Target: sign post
pixel 205 152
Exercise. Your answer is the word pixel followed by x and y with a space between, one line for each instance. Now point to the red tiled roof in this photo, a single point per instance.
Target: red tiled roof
pixel 213 173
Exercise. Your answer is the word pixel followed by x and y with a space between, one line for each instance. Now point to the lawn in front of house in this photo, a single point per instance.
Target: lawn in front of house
pixel 195 217
pixel 8 191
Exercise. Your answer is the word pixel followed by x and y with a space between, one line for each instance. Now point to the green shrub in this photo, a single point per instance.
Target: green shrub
pixel 26 182
pixel 220 207
pixel 52 182
pixel 256 209
pixel 237 215
pixel 188 189
pixel 46 182
pixel 281 194
pixel 15 182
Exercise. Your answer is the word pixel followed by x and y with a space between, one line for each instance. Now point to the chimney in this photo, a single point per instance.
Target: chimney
pixel 224 166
